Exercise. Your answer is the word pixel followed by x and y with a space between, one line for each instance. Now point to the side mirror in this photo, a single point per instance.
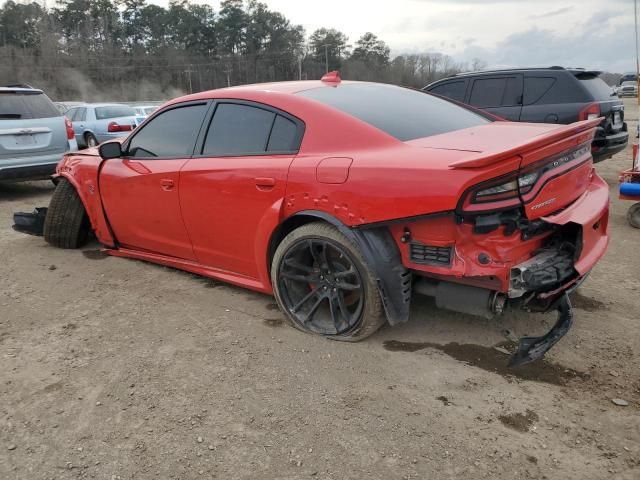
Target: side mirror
pixel 110 150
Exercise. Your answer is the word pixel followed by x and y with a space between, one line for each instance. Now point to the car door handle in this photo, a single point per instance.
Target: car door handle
pixel 265 183
pixel 167 184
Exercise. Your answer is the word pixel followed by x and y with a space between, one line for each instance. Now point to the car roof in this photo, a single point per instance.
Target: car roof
pixel 105 104
pixel 20 89
pixel 291 87
pixel 575 71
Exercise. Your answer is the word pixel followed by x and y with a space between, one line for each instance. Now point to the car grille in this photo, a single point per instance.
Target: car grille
pixel 430 254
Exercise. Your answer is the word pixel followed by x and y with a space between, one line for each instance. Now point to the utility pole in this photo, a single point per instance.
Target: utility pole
pixel 189 72
pixel 299 68
pixel 326 56
pixel 635 18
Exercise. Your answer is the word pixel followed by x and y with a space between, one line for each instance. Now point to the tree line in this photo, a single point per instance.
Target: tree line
pixel 131 50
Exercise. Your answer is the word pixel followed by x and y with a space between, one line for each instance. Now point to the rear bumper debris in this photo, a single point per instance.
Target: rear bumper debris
pixel 30 223
pixel 531 349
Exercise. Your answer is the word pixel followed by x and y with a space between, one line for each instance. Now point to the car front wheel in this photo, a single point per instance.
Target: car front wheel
pixel 324 286
pixel 66 224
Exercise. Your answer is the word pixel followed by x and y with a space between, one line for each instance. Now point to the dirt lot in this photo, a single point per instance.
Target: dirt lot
pixel 117 369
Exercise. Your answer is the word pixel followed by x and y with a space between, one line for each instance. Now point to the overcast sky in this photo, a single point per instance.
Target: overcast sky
pixel 596 34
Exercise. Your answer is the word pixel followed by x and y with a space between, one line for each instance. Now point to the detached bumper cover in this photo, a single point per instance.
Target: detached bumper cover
pixel 531 349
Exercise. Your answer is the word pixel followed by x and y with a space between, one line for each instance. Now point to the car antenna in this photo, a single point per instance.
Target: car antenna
pixel 331 77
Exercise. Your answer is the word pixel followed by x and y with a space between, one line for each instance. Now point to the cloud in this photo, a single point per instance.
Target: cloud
pixel 610 49
pixel 552 13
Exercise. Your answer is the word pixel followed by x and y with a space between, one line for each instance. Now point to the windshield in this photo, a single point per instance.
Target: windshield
pixel 403 113
pixel 114 111
pixel 26 105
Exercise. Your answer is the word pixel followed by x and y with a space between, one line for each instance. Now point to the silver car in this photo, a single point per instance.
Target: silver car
pixel 99 122
pixel 34 135
pixel 628 89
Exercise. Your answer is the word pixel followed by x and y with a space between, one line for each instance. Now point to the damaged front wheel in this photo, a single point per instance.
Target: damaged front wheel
pixel 66 224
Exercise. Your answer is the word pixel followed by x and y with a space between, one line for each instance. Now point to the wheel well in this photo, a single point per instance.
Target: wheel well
pixel 284 229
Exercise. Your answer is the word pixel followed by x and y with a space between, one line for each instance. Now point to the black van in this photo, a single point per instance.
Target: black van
pixel 543 95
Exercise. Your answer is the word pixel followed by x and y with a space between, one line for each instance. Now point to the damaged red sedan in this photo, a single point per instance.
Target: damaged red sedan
pixel 345 198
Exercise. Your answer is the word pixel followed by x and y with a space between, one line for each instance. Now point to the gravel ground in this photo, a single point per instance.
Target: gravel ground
pixel 118 369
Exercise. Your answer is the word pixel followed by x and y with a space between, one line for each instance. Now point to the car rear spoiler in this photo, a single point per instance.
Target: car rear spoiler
pixel 586 127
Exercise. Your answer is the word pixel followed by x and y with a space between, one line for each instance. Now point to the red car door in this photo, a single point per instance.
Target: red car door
pixel 240 174
pixel 140 192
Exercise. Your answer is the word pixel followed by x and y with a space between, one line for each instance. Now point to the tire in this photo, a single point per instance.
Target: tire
pixel 342 305
pixel 66 224
pixel 633 215
pixel 90 140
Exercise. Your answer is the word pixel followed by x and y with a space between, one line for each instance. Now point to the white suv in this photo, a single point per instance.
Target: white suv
pixel 34 135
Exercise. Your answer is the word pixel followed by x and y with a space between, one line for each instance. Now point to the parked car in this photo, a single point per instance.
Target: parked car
pixel 544 95
pixel 628 77
pixel 34 135
pixel 143 111
pixel 335 195
pixel 98 122
pixel 628 89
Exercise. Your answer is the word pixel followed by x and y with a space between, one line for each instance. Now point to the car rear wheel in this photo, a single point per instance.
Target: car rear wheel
pixel 66 224
pixel 90 140
pixel 323 285
pixel 633 215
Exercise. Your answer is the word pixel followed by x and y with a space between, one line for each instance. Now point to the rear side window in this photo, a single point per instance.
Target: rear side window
pixel 284 136
pixel 26 106
pixel 114 111
pixel 70 113
pixel 453 90
pixel 596 87
pixel 536 87
pixel 170 134
pixel 80 115
pixel 403 113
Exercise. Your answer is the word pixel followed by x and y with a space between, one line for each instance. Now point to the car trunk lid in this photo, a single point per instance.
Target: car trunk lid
pixel 30 124
pixel 32 137
pixel 559 154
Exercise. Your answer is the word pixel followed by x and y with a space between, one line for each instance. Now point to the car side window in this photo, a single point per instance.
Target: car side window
pixel 284 136
pixel 453 90
pixel 487 92
pixel 512 92
pixel 70 113
pixel 536 87
pixel 171 134
pixel 238 130
pixel 81 114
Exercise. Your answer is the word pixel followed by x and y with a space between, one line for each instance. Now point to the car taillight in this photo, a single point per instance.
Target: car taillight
pixel 114 127
pixel 589 112
pixel 69 125
pixel 507 191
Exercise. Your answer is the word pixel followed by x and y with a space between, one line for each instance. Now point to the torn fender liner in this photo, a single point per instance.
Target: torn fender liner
pixel 531 349
pixel 394 280
pixel 30 223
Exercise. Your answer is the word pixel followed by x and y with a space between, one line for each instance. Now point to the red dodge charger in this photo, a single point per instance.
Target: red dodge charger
pixel 345 198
